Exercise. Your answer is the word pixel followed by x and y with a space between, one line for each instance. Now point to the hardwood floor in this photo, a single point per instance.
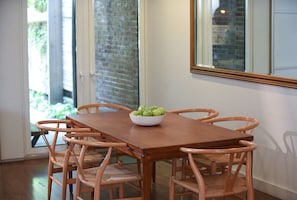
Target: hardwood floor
pixel 27 180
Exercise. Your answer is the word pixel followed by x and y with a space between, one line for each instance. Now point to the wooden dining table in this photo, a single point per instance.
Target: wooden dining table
pixel 161 142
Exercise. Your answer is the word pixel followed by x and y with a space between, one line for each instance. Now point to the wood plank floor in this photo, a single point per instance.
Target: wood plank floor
pixel 27 180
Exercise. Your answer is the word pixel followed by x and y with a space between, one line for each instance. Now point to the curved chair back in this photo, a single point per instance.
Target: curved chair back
pixel 200 114
pixel 104 175
pixel 238 123
pixel 219 185
pixel 105 107
pixel 56 127
pixel 59 160
pixel 100 107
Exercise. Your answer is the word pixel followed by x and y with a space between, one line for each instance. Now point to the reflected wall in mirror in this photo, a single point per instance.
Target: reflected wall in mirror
pixel 247 40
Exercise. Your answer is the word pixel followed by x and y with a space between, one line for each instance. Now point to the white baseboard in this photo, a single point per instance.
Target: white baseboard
pixel 274 190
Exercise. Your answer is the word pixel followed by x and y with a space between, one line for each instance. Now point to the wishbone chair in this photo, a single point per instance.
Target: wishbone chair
pixel 229 183
pixel 105 175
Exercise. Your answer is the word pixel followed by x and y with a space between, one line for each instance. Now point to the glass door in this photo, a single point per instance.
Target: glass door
pixel 105 61
pixel 51 62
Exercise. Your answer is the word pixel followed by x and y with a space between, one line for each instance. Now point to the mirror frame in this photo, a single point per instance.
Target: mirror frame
pixel 232 74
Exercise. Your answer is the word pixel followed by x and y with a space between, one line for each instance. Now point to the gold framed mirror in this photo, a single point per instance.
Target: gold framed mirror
pixel 205 69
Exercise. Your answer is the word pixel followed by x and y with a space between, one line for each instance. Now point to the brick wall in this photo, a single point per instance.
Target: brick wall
pixel 116 52
pixel 229 52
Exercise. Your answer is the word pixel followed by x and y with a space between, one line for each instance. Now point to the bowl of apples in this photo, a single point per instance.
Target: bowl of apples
pixel 147 115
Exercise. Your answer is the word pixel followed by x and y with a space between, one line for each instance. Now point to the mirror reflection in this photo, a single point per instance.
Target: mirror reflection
pixel 228 34
pixel 221 34
pixel 224 40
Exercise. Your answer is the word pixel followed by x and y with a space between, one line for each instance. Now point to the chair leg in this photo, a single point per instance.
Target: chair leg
pixel 121 191
pixel 171 189
pixel 184 168
pixel 250 194
pixel 110 193
pixel 213 168
pixel 64 183
pixel 77 188
pixel 70 176
pixel 49 180
pixel 97 193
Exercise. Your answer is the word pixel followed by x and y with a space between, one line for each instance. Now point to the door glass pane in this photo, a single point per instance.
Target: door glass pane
pixel 116 51
pixel 50 62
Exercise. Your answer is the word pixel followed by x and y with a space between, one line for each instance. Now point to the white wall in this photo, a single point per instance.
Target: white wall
pixel 170 84
pixel 12 74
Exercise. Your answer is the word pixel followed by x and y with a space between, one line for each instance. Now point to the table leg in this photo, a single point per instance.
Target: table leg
pixel 154 171
pixel 147 176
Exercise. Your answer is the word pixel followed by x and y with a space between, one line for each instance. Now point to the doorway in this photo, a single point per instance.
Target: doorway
pixel 106 40
pixel 51 62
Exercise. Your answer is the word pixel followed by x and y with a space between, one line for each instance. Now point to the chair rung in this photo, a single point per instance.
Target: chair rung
pixel 56 180
pixel 71 181
pixel 57 170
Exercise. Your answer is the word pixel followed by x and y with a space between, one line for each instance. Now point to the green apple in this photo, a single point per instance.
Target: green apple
pixel 153 107
pixel 147 112
pixel 162 110
pixel 141 108
pixel 135 113
pixel 157 112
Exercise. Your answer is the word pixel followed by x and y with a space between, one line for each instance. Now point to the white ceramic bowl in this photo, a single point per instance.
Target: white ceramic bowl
pixel 146 120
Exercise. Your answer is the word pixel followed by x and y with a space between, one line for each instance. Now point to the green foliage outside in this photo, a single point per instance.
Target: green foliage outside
pixel 37 36
pixel 39 102
pixel 39 5
pixel 37 31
